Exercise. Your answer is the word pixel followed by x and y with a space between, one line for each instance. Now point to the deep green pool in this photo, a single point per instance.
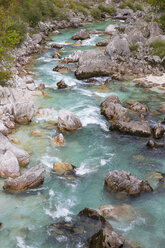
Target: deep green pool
pixel 94 150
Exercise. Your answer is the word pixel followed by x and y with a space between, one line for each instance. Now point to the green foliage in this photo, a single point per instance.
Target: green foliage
pixel 134 49
pixel 161 20
pixel 158 48
pixel 108 10
pixel 96 13
pixel 131 4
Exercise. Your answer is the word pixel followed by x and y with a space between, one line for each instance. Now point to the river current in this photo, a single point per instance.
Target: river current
pixel 94 150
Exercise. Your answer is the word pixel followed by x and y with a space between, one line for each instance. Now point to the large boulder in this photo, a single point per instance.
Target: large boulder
pixel 9 166
pixel 67 121
pixel 111 29
pixel 158 131
pixel 81 35
pixel 93 63
pixel 32 178
pixel 123 181
pixel 113 110
pixel 21 155
pixel 136 36
pixel 88 222
pixel 106 239
pixel 24 112
pixel 118 46
pixel 137 128
pixel 3 129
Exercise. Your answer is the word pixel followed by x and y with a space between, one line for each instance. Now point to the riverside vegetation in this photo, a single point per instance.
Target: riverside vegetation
pixel 81 129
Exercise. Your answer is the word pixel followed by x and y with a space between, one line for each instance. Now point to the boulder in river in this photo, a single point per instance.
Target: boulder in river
pixel 57 46
pixel 139 107
pixel 87 223
pixel 5 145
pixel 153 144
pixel 102 43
pixel 64 169
pixel 9 166
pixel 93 63
pixel 158 131
pixel 59 140
pixel 31 179
pixel 56 55
pixel 62 85
pixel 81 35
pixel 123 181
pixel 105 239
pixel 113 109
pixel 137 128
pixel 67 121
pixel 61 68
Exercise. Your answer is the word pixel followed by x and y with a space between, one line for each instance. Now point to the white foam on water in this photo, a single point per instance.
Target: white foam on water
pixel 138 222
pixel 46 114
pixel 91 115
pixel 48 161
pixel 21 243
pixel 104 94
pixel 61 210
pixel 91 165
pixel 91 41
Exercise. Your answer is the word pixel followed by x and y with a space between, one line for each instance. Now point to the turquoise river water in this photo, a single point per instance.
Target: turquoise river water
pixel 94 150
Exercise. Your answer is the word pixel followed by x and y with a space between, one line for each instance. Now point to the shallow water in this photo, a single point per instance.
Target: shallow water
pixel 94 150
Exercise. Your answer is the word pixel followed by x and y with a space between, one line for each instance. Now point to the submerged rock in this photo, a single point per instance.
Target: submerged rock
pixel 158 131
pixel 37 133
pixel 81 35
pixel 78 43
pixel 153 144
pixel 67 121
pixel 113 110
pixel 9 166
pixel 137 128
pixel 62 85
pixel 59 140
pixel 93 63
pixel 5 145
pixel 64 169
pixel 123 212
pixel 123 181
pixel 31 179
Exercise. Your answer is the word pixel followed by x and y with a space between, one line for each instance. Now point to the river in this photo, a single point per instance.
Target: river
pixel 94 150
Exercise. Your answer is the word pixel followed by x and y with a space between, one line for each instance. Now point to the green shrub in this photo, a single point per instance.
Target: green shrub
pixel 161 20
pixel 134 49
pixel 158 48
pixel 82 10
pixel 108 10
pixel 127 4
pixel 96 13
